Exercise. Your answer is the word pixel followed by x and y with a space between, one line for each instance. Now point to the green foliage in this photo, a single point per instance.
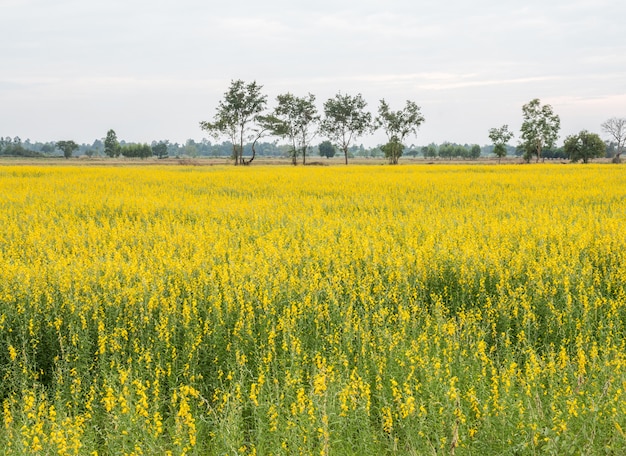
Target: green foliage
pixel 236 115
pixel 393 150
pixel 500 137
pixel 68 147
pixel 160 149
pixel 136 151
pixel 540 128
pixel 397 126
pixel 112 146
pixel 447 150
pixel 294 119
pixel 345 119
pixel 584 146
pixel 326 149
pixel 430 151
pixel 15 148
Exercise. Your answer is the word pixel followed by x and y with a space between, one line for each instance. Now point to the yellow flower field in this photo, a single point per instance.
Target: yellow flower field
pixel 313 310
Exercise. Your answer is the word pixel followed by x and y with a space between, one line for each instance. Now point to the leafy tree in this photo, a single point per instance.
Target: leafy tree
pixel 294 119
pixel 190 148
pixel 555 153
pixel 393 150
pixel 397 126
pixel 430 151
pixel 499 137
pixel 474 152
pixel 160 149
pixel 460 151
pixel 447 150
pixel 540 128
pixel 326 149
pixel 68 147
pixel 616 128
pixel 345 119
pixel 584 146
pixel 111 145
pixel 136 150
pixel 236 117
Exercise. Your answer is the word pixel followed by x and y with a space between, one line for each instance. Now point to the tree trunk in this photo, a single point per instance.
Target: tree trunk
pixel 236 154
pixel 538 152
pixel 243 161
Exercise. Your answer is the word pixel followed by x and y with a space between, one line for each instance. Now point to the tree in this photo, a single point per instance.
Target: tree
pixel 584 146
pixel 160 149
pixel 345 119
pixel 111 144
pixel 397 126
pixel 460 151
pixel 430 151
pixel 190 148
pixel 447 150
pixel 393 150
pixel 326 149
pixel 237 115
pixel 136 150
pixel 68 147
pixel 540 128
pixel 616 128
pixel 294 119
pixel 48 148
pixel 474 152
pixel 500 137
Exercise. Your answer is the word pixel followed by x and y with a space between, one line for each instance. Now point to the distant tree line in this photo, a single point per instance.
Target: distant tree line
pixel 452 151
pixel 207 149
pixel 325 149
pixel 14 147
pixel 242 117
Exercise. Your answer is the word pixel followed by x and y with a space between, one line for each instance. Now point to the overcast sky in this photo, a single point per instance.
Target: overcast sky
pixel 151 70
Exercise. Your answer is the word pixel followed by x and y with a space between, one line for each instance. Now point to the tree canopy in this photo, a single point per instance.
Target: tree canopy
pixel 345 119
pixel 500 137
pixel 236 116
pixel 68 147
pixel 111 144
pixel 326 149
pixel 397 125
pixel 294 118
pixel 540 128
pixel 584 146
